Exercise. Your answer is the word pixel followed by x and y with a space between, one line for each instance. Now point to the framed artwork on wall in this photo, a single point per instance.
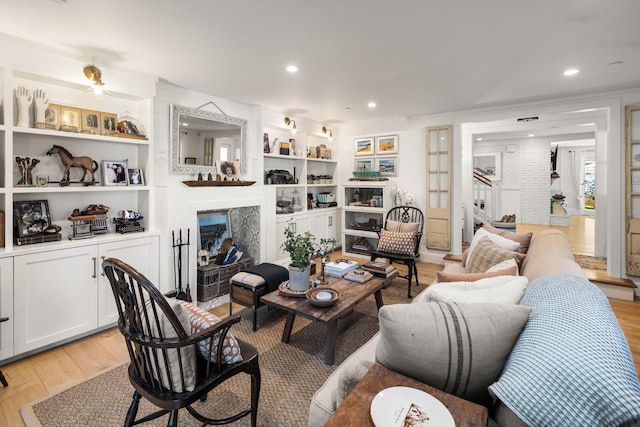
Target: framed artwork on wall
pixel 364 165
pixel 387 144
pixel 388 166
pixel 364 146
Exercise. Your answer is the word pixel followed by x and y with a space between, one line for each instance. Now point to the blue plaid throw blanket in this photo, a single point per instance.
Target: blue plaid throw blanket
pixel 571 365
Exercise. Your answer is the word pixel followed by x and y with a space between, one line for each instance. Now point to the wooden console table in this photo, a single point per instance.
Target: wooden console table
pixel 355 410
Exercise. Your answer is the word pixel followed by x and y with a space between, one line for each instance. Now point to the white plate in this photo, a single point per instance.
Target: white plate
pixel 390 408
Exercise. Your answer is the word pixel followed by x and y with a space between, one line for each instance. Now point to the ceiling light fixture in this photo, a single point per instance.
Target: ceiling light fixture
pixel 94 74
pixel 292 68
pixel 327 131
pixel 288 121
pixel 571 72
pixel 371 104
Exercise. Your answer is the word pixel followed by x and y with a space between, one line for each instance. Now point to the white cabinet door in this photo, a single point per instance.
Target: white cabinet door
pixel 142 254
pixel 299 224
pixel 6 307
pixel 55 296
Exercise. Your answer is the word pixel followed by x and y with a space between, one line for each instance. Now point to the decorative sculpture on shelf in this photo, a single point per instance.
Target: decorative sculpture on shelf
pixel 41 104
pixel 25 166
pixel 24 98
pixel 86 163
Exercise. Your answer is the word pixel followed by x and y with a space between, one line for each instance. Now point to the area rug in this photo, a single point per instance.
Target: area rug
pixel 591 262
pixel 291 374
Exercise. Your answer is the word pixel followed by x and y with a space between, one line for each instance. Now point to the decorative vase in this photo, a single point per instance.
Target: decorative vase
pixel 299 280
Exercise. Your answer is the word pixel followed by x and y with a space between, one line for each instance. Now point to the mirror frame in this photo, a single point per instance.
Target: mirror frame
pixel 179 110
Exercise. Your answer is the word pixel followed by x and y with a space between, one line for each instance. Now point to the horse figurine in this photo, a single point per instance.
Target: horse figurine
pixel 86 163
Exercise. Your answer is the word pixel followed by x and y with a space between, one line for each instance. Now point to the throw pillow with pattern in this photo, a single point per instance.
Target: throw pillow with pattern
pixel 487 254
pixel 397 243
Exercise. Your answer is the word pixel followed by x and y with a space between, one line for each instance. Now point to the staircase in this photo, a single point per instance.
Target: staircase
pixel 487 200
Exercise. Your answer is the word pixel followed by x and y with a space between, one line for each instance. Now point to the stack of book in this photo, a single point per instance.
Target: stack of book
pixel 359 276
pixel 379 269
pixel 339 267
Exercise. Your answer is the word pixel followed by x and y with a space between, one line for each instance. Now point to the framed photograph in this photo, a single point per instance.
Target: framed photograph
pixel 52 114
pixel 387 144
pixel 364 165
pixel 388 166
pixel 31 217
pixel 114 172
pixel 108 123
pixel 189 160
pixel 213 228
pixel 91 121
pixel 364 146
pixel 203 258
pixel 135 176
pixel 70 119
pixel 230 171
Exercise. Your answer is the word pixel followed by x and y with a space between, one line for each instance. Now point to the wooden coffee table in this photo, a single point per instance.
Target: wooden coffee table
pixel 351 293
pixel 356 408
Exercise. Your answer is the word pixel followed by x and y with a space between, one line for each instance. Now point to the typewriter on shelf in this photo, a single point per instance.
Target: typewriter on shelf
pixel 128 222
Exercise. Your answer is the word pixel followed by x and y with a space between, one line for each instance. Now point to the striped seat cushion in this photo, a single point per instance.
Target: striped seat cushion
pixel 458 348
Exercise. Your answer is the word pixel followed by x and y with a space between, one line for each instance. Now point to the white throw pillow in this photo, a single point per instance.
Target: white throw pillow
pixel 496 290
pixel 504 265
pixel 507 244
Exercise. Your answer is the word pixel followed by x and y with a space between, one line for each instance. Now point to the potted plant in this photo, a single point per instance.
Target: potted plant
pixel 302 248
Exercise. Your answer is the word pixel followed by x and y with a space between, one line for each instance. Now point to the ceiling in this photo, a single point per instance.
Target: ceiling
pixel 411 57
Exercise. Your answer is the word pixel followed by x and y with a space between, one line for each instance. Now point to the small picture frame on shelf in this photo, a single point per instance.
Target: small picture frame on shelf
pixel 70 119
pixel 135 176
pixel 203 258
pixel 31 217
pixel 52 116
pixel 387 144
pixel 388 166
pixel 114 172
pixel 190 160
pixel 230 171
pixel 91 122
pixel 364 146
pixel 364 165
pixel 108 123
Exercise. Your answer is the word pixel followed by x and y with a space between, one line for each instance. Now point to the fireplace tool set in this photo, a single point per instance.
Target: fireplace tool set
pixel 177 267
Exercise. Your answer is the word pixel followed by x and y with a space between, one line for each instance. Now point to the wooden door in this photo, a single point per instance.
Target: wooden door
pixel 438 214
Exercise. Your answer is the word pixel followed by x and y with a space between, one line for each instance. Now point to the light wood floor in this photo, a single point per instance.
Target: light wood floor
pixel 580 233
pixel 52 371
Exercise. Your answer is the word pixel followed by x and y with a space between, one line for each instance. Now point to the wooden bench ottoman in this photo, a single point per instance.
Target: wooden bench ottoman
pixel 246 290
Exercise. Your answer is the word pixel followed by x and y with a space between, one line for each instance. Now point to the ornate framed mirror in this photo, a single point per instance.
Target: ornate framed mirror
pixel 200 139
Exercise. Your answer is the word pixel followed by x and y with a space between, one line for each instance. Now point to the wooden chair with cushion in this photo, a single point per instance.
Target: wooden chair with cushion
pixel 399 240
pixel 170 366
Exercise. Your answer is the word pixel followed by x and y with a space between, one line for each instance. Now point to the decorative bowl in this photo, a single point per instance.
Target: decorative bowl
pixel 322 297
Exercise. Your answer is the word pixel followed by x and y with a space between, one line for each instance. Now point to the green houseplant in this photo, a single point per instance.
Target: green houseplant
pixel 301 249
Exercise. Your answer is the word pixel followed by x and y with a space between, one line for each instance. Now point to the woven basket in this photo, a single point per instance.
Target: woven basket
pixel 213 280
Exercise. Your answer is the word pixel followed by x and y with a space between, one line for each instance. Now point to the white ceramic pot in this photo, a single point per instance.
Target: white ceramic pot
pixel 299 280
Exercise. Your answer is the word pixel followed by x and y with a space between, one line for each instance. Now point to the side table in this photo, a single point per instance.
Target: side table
pixel 355 410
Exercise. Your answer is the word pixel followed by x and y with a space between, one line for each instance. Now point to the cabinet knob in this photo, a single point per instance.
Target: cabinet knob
pixel 95 267
pixel 330 218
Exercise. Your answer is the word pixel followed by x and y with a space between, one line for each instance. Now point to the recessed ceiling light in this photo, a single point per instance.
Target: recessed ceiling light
pixel 371 104
pixel 531 135
pixel 292 68
pixel 571 72
pixel 479 139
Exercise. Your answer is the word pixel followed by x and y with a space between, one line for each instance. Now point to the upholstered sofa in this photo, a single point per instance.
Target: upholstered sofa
pixel 570 334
